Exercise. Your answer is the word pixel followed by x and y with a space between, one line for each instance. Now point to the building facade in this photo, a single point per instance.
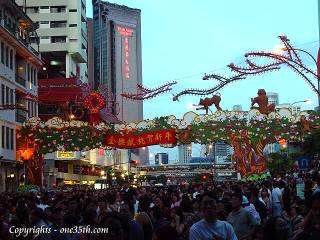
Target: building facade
pixel 295 109
pixel 117 55
pixel 273 98
pixel 62 36
pixel 222 152
pixel 161 158
pixel 237 108
pixel 19 65
pixel 185 153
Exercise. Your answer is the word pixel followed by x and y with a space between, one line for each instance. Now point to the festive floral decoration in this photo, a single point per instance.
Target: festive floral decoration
pixel 289 56
pixel 144 93
pixel 247 132
pixel 94 102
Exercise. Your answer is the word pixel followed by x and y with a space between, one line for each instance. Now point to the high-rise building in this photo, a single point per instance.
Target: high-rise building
pixel 222 151
pixel 90 53
pixel 273 98
pixel 117 54
pixel 185 153
pixel 144 156
pixel 63 36
pixel 295 109
pixel 207 151
pixel 237 108
pixel 161 158
pixel 19 65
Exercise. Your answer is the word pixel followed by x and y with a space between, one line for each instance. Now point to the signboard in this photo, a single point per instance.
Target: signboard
pixel 66 155
pixel 141 140
pixel 304 162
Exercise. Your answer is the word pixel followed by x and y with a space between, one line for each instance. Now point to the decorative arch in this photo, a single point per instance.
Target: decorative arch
pixel 247 132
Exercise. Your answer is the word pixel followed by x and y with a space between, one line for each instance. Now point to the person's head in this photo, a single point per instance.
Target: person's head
pixel 174 197
pixel 236 200
pixel 264 193
pixel 101 203
pixel 158 202
pixel 116 226
pixel 72 205
pixel 165 232
pixel 295 210
pixel 315 206
pixel 90 216
pixel 36 215
pixel 57 216
pixel 196 206
pixel 208 206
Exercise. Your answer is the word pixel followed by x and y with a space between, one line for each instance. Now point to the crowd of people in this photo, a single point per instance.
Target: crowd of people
pixel 268 209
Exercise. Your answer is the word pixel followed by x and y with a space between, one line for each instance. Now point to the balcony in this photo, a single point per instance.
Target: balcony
pixel 14 33
pixel 21 116
pixel 20 80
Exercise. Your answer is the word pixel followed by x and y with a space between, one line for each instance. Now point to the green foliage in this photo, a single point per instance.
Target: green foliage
pixel 278 163
pixel 311 145
pixel 28 188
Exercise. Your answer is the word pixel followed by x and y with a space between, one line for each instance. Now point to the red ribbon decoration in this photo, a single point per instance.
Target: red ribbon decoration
pixel 141 140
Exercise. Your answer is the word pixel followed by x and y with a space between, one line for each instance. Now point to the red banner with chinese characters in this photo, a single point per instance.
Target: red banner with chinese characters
pixel 141 140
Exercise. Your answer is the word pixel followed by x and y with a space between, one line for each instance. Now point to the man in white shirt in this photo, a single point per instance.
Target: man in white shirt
pixel 276 196
pixel 210 227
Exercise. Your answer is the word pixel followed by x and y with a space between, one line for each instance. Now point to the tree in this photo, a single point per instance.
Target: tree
pixel 311 146
pixel 280 162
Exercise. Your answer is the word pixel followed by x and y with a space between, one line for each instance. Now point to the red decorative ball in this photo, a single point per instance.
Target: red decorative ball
pixel 94 102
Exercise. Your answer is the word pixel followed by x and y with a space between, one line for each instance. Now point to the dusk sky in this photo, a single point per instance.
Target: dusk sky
pixel 183 39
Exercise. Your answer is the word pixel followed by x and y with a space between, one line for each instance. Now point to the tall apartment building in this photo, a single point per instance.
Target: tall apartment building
pixel 19 64
pixel 63 36
pixel 117 60
pixel 161 158
pixel 273 98
pixel 222 152
pixel 185 153
pixel 117 54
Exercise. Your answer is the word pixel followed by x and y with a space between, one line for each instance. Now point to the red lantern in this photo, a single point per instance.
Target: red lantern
pixel 94 102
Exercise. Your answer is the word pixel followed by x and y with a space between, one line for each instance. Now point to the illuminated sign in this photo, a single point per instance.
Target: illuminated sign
pixel 126 32
pixel 66 155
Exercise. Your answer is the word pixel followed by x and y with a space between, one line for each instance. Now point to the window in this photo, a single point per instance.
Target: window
pixel 33 40
pixel 44 7
pixel 7 138
pixel 35 77
pixel 58 9
pixel 11 139
pixel 7 56
pixel 29 109
pixel 72 10
pixel 2 52
pixel 58 39
pixel 58 24
pixel 7 95
pixel 31 74
pixel 2 136
pixel 73 25
pixel 11 59
pixel 11 97
pixel 2 94
pixel 44 22
pixel 32 9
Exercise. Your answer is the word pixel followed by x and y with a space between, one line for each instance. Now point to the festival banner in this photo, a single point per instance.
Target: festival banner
pixel 141 140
